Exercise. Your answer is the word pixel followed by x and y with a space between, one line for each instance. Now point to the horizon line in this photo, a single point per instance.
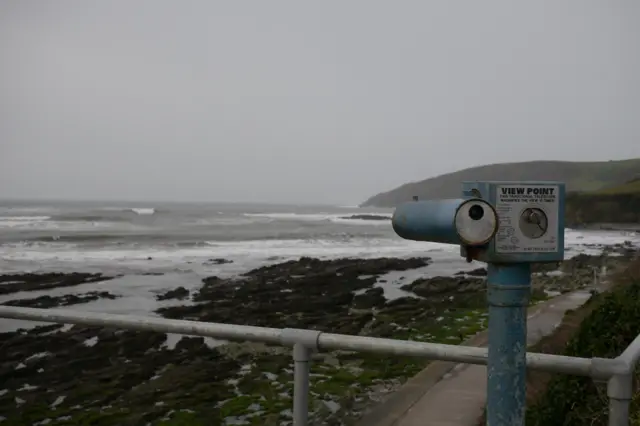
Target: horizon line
pixel 158 201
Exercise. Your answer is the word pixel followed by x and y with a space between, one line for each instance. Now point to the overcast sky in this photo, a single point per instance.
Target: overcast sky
pixel 290 101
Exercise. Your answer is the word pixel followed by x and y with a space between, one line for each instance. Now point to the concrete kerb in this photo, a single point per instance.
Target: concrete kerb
pixel 394 407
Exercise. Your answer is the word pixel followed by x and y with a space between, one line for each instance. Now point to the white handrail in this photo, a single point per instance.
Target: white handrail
pixel 305 341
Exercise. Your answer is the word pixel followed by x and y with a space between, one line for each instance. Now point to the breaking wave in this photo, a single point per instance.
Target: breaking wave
pixel 107 214
pixel 347 218
pixel 21 221
pixel 143 210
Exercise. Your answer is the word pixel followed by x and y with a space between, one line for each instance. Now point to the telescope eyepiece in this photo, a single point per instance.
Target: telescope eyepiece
pixel 476 212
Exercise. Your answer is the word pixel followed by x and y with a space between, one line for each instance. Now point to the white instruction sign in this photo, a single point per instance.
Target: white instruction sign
pixel 528 218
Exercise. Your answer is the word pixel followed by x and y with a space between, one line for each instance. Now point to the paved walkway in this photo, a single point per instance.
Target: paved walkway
pixel 449 394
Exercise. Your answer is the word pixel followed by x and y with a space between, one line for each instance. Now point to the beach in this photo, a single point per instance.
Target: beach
pixel 337 269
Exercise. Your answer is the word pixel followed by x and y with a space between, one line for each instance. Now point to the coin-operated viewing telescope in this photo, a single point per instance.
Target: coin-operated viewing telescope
pixel 508 225
pixel 501 222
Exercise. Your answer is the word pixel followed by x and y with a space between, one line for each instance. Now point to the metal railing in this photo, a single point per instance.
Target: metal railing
pixel 617 372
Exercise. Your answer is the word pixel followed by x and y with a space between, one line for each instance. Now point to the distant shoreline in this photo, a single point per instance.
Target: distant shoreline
pixel 92 366
pixel 366 217
pixel 624 227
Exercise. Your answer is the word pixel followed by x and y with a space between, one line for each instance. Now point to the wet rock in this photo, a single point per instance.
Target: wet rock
pixel 13 283
pixel 366 217
pixel 47 301
pixel 577 262
pixel 371 298
pixel 177 293
pixel 545 267
pixel 114 376
pixel 304 293
pixel 243 350
pixel 479 272
pixel 218 261
pixel 188 343
pixel 342 267
pixel 581 271
pixel 427 287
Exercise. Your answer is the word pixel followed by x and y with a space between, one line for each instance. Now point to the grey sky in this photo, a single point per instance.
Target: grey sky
pixel 294 101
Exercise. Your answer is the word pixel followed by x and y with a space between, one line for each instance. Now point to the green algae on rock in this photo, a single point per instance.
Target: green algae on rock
pixel 90 375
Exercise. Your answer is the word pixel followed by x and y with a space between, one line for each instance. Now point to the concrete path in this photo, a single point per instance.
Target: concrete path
pixel 449 394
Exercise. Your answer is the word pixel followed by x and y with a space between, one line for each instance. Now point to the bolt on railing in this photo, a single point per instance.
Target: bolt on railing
pixel 618 372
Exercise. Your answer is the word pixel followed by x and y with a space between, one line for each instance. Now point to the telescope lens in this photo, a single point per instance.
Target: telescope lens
pixel 476 212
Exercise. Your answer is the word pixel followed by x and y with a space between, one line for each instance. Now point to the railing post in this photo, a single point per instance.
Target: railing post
pixel 620 392
pixel 304 342
pixel 301 358
pixel 508 295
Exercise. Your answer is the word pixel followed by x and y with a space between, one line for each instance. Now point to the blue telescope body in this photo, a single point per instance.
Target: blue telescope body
pixel 428 220
pixel 465 222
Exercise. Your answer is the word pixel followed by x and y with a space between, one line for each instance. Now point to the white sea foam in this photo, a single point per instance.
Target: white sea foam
pixel 22 221
pixel 246 254
pixel 49 225
pixel 188 265
pixel 575 238
pixel 26 211
pixel 143 210
pixel 256 249
pixel 24 218
pixel 322 217
pixel 368 222
pixel 293 216
pixel 136 210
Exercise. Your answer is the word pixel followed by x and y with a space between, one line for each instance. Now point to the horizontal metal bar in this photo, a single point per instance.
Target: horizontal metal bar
pixel 433 351
pixel 193 328
pixel 455 353
pixel 562 364
pixel 452 353
pixel 632 353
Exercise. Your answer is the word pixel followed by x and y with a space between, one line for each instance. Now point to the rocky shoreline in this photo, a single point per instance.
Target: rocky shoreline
pixel 367 217
pixel 625 227
pixel 13 283
pixel 86 375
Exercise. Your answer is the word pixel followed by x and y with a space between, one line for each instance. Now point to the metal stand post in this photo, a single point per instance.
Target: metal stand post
pixel 509 287
pixel 301 357
pixel 620 392
pixel 304 343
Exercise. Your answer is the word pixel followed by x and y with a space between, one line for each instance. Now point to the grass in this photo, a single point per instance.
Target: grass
pixel 602 328
pixel 632 187
pixel 613 204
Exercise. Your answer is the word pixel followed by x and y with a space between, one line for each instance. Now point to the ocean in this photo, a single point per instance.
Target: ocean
pixel 159 246
pixel 169 237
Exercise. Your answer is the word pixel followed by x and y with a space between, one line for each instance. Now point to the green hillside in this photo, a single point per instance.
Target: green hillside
pixel 578 176
pixel 631 187
pixel 619 204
